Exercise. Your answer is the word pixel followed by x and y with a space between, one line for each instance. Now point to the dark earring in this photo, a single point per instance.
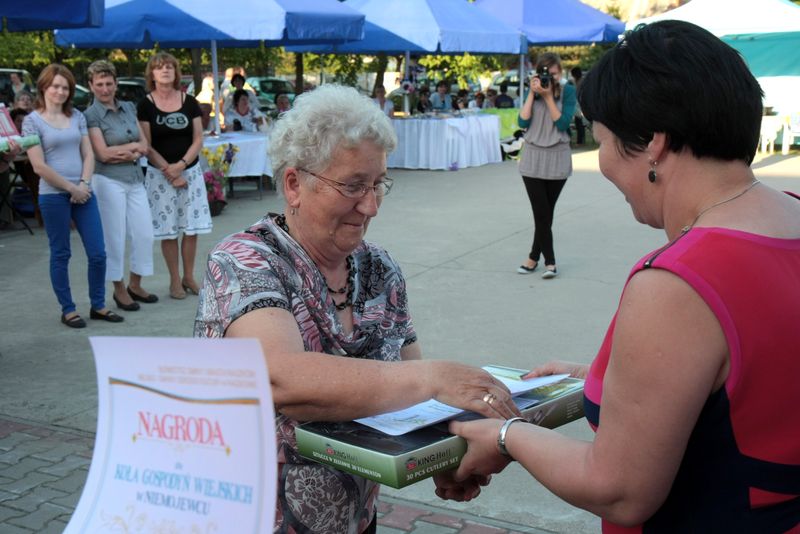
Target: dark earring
pixel 652 174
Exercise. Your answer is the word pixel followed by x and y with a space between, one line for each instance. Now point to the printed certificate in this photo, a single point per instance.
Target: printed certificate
pixel 185 438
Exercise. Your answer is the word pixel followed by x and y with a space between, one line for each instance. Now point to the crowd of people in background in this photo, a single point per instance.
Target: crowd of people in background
pixel 444 98
pixel 86 173
pixel 97 180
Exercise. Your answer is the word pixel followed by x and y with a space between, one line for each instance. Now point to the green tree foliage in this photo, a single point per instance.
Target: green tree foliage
pixel 460 69
pixel 261 61
pixel 31 51
pixel 341 68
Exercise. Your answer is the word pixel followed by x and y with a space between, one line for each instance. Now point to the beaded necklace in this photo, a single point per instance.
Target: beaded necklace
pixel 280 220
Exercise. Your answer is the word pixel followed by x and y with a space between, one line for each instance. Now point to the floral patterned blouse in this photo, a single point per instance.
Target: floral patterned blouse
pixel 264 267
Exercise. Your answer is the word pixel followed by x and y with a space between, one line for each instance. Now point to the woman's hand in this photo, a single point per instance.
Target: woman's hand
pixel 575 370
pixel 173 174
pixel 545 92
pixel 13 149
pixel 483 458
pixel 448 488
pixel 126 155
pixel 469 388
pixel 80 194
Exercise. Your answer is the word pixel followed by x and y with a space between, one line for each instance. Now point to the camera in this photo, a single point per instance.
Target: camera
pixel 543 73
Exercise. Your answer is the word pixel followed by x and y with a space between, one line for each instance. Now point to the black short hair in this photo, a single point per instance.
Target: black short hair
pixel 235 77
pixel 237 95
pixel 677 78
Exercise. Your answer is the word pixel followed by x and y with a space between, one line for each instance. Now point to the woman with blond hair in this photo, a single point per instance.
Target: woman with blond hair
pixel 65 163
pixel 173 130
pixel 118 143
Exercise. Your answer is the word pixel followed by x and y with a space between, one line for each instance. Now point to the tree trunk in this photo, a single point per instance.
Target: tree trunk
pixel 262 66
pixel 298 76
pixel 381 61
pixel 197 74
pixel 400 67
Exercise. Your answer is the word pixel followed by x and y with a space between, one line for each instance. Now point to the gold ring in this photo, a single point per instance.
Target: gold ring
pixel 488 398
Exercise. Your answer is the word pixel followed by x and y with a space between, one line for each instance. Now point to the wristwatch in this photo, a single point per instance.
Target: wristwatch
pixel 501 437
pixel 85 181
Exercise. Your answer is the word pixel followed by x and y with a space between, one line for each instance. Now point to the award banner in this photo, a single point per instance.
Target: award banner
pixel 185 438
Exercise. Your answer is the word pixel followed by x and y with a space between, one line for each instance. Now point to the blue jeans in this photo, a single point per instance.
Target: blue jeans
pixel 57 212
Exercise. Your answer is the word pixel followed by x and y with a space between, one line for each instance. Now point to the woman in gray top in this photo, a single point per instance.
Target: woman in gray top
pixel 65 162
pixel 118 144
pixel 546 160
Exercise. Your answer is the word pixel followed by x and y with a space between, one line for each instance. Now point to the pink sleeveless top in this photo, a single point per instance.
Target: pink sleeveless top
pixel 741 469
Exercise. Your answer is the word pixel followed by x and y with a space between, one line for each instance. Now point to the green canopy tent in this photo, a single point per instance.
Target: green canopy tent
pixel 769 54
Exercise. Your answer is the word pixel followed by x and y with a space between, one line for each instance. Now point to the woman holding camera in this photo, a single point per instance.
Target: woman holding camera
pixel 546 161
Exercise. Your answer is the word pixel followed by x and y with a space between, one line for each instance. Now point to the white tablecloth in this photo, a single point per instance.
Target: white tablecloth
pixel 252 158
pixel 451 143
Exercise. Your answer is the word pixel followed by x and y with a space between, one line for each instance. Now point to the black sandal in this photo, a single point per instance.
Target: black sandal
pixel 73 322
pixel 109 316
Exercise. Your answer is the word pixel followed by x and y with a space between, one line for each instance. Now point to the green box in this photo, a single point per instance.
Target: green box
pixel 399 461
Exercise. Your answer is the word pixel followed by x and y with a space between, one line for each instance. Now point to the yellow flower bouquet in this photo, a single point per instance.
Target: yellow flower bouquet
pixel 216 177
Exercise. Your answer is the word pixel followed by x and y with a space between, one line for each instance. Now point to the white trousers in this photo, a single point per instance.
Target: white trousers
pixel 125 214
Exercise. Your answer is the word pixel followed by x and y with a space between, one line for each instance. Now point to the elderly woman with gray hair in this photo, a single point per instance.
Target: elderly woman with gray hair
pixel 330 309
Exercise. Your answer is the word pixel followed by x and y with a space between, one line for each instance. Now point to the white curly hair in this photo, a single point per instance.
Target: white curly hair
pixel 320 122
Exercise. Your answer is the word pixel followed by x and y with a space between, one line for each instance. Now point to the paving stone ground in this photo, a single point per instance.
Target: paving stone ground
pixel 43 470
pixel 459 237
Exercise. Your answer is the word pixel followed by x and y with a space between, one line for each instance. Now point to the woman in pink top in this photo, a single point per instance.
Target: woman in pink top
pixel 692 389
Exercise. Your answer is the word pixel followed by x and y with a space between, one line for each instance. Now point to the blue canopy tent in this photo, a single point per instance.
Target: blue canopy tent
pixel 237 23
pixel 426 26
pixel 555 23
pixel 31 15
pixel 376 40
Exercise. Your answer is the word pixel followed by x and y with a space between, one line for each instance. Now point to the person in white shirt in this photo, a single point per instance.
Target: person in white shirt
pixel 478 102
pixel 380 100
pixel 241 117
pixel 237 83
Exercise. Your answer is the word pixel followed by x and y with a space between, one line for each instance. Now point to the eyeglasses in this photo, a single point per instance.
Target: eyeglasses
pixel 355 190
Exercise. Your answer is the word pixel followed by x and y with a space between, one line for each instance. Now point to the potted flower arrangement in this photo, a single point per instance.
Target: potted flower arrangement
pixel 216 177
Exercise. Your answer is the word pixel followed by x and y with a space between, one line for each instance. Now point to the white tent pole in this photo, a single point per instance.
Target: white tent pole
pixel 521 79
pixel 407 76
pixel 214 71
